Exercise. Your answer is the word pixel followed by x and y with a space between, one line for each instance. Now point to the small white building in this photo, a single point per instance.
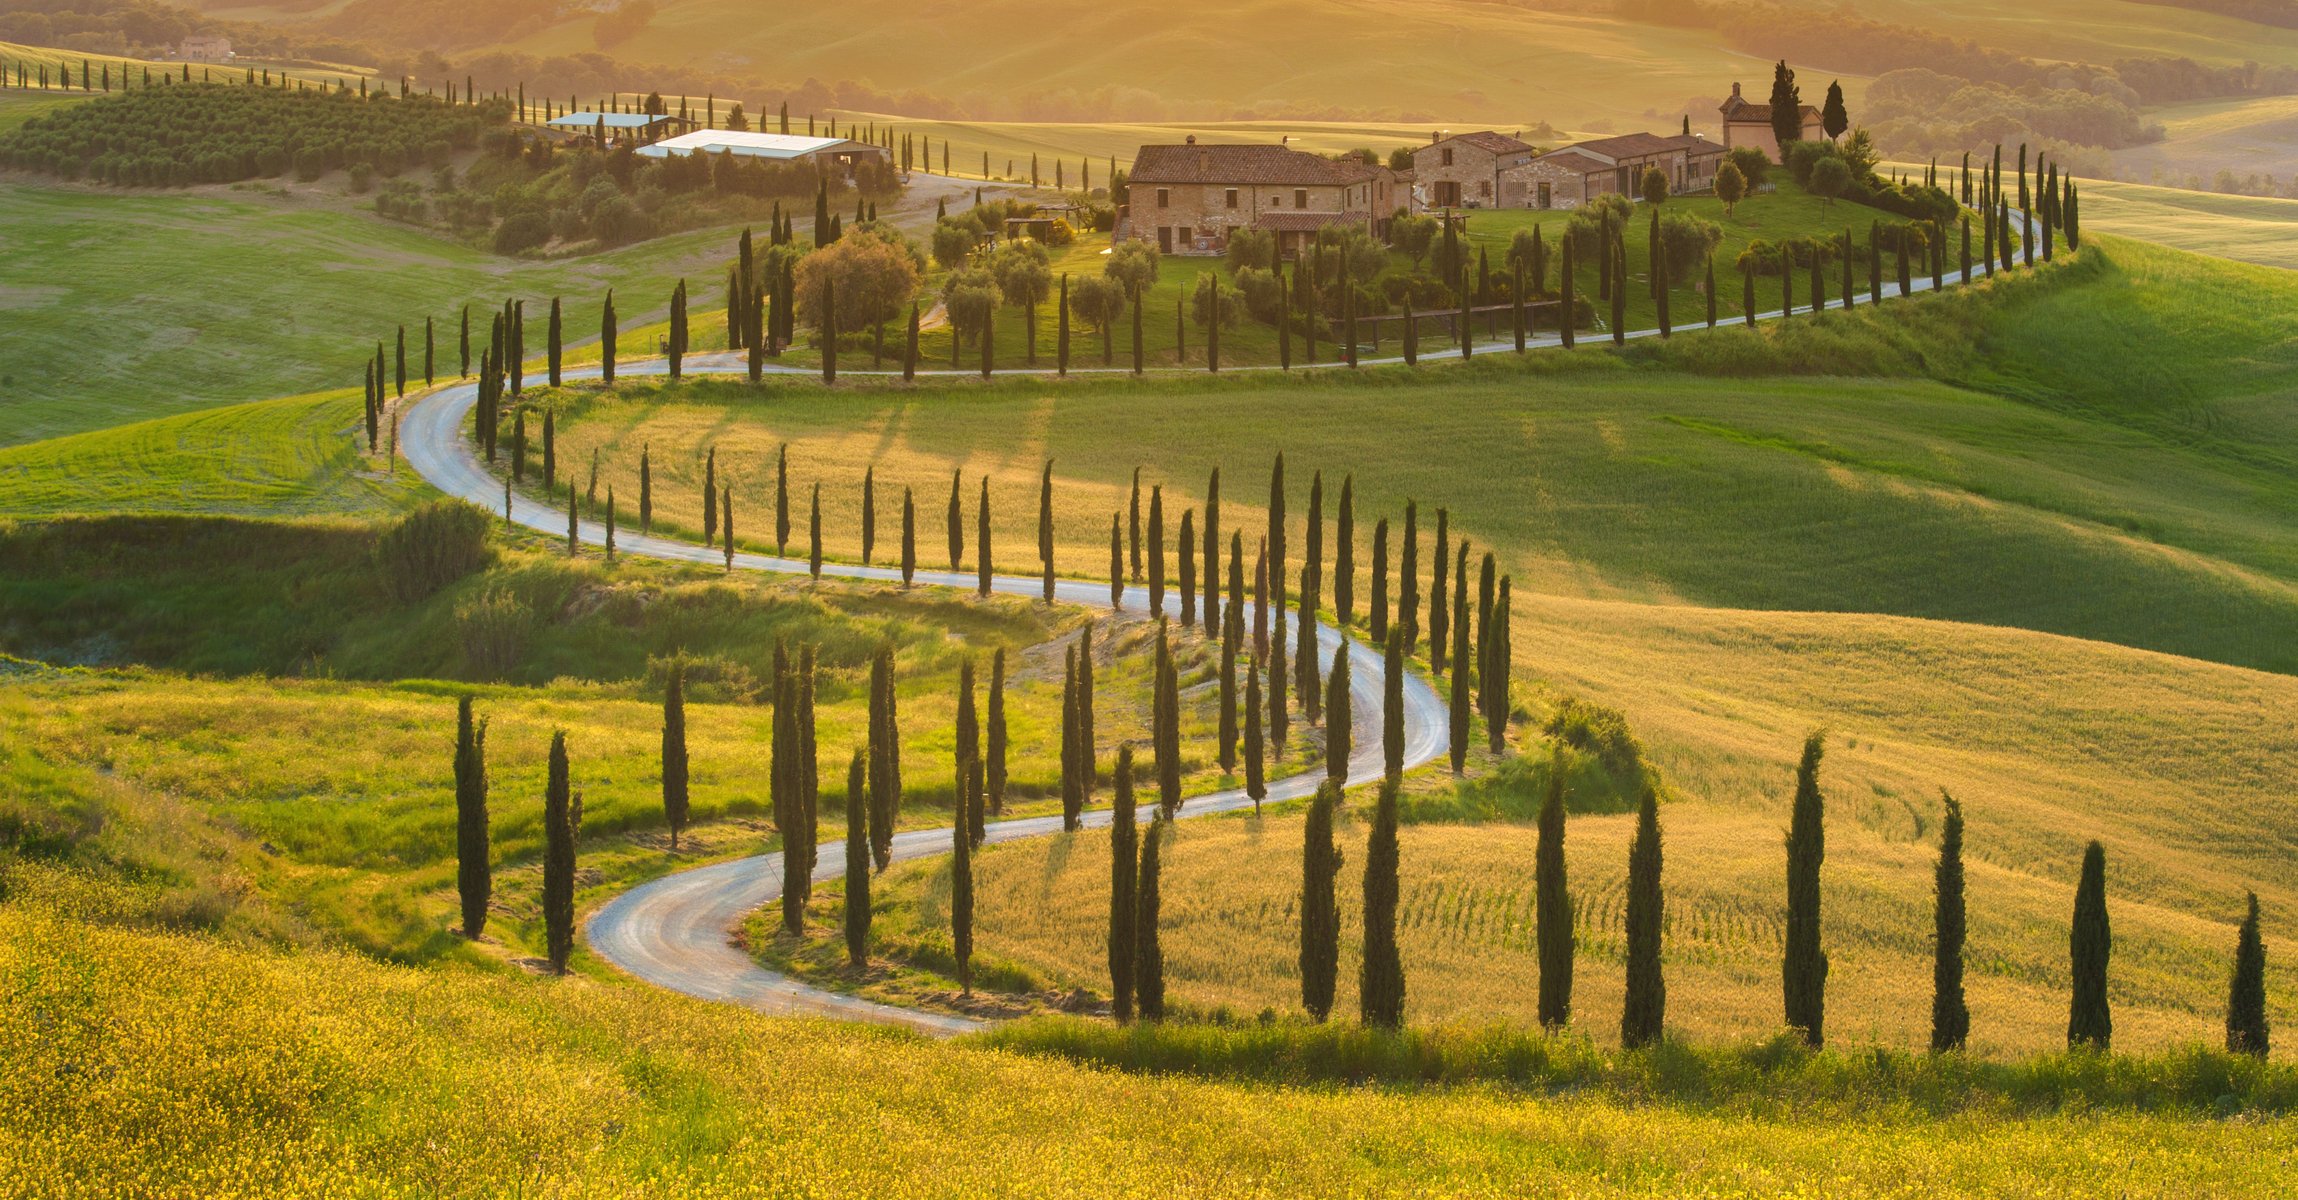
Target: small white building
pixel 205 47
pixel 844 154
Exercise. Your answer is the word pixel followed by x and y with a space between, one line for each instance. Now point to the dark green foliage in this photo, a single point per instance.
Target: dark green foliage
pixel 474 879
pixel 885 757
pixel 645 489
pixel 1376 619
pixel 1305 639
pixel 674 799
pixel 606 338
pixel 1045 528
pixel 968 737
pixel 1133 525
pixel 1392 711
pixel 785 789
pixel 1256 751
pixel 962 844
pixel 909 538
pixel 1165 726
pixel 956 521
pixel 562 824
pixel 1344 555
pixel 982 560
pixel 1225 738
pixel 1116 563
pixel 1380 991
pixel 1085 709
pixel 1408 578
pixel 1644 1014
pixel 1320 911
pixel 434 545
pixel 781 499
pixel 1148 951
pixel 858 860
pixel 1186 584
pixel 814 534
pixel 1337 720
pixel 994 766
pixel 1786 107
pixel 726 521
pixel 1950 1016
pixel 710 498
pixel 1157 551
pixel 1553 919
pixel 1461 710
pixel 2090 1022
pixel 1123 881
pixel 869 513
pixel 556 342
pixel 1072 788
pixel 1804 966
pixel 2246 1031
pixel 1212 535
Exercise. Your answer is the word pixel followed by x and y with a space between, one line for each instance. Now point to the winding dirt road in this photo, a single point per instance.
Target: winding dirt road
pixel 676 931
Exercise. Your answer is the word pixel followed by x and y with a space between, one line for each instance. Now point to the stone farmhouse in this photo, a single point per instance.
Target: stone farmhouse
pixel 1189 198
pixel 1749 124
pixel 205 47
pixel 1494 170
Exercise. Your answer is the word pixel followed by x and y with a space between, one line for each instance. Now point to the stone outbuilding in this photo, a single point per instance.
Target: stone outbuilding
pixel 1469 170
pixel 1570 176
pixel 1749 124
pixel 1189 198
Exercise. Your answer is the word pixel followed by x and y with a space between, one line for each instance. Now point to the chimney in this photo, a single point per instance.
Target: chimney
pixel 1191 140
pixel 1735 91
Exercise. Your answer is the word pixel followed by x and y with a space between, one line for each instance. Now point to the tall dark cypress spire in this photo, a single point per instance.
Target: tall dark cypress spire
pixel 1804 966
pixel 1950 1016
pixel 1124 877
pixel 474 878
pixel 1644 1016
pixel 1320 915
pixel 1380 991
pixel 2246 1031
pixel 2090 1022
pixel 1553 918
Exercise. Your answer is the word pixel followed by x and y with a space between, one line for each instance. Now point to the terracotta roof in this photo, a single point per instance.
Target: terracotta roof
pixel 1305 222
pixel 1628 145
pixel 1743 111
pixel 1573 160
pixel 1486 139
pixel 1242 164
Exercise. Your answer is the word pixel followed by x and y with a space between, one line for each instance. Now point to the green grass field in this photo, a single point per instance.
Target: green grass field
pixel 2243 228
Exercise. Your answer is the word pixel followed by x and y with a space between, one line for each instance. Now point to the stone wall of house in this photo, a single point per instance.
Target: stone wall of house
pixel 1520 186
pixel 1198 219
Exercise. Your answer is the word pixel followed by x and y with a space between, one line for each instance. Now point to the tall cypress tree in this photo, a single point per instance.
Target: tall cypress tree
pixel 1344 555
pixel 1157 550
pixel 428 352
pixel 909 538
pixel 956 520
pixel 474 879
pixel 1380 991
pixel 606 337
pixel 994 768
pixel 1186 544
pixel 1439 619
pixel 1377 618
pixel 674 800
pixel 961 873
pixel 557 343
pixel 562 824
pixel 814 534
pixel 1225 738
pixel 1133 524
pixel 1408 578
pixel 968 741
pixel 2090 1022
pixel 869 513
pixel 1123 877
pixel 1148 950
pixel 1212 535
pixel 1166 723
pixel 1804 967
pixel 1276 535
pixel 1461 709
pixel 1256 748
pixel 982 562
pixel 885 756
pixel 1337 731
pixel 1072 791
pixel 709 497
pixel 858 860
pixel 1950 1016
pixel 1320 911
pixel 645 488
pixel 1116 562
pixel 1553 918
pixel 782 499
pixel 1305 638
pixel 1392 711
pixel 1644 1016
pixel 2246 1031
pixel 1085 741
pixel 786 787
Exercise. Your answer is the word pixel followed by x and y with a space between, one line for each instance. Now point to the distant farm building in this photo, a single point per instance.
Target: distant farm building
pixel 1188 199
pixel 1470 170
pixel 1570 176
pixel 1749 124
pixel 619 129
pixel 205 47
pixel 841 155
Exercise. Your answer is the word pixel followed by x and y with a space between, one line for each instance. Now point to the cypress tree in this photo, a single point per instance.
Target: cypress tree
pixel 961 875
pixel 1377 618
pixel 967 742
pixel 1225 739
pixel 1411 335
pixel 1619 259
pixel 550 450
pixel 1313 554
pixel 1344 556
pixel 2089 1020
pixel 1439 619
pixel 1157 550
pixel 982 561
pixel 399 364
pixel 574 540
pixel 1337 730
pixel 1950 1016
pixel 606 337
pixel 2246 1031
pixel 1133 524
pixel 1305 638
pixel 885 756
pixel 1072 791
pixel 1166 721
pixel 1711 291
pixel 1256 750
pixel 1320 912
pixel 857 861
pixel 709 497
pixel 909 537
pixel 1061 330
pixel 677 331
pixel 782 499
pixel 474 879
pixel 1804 968
pixel 1553 918
pixel 1380 992
pixel 1644 1016
pixel 869 513
pixel 1279 709
pixel 1408 578
pixel 785 777
pixel 465 370
pixel 562 824
pixel 1659 261
pixel 1261 600
pixel 1568 310
pixel 956 520
pixel 1149 954
pixel 610 522
pixel 1116 563
pixel 994 769
pixel 557 342
pixel 645 489
pixel 1187 583
pixel 1045 528
pixel 910 349
pixel 1392 711
pixel 726 521
pixel 674 800
pixel 1085 741
pixel 814 535
pixel 1460 689
pixel 428 354
pixel 1123 877
pixel 1212 533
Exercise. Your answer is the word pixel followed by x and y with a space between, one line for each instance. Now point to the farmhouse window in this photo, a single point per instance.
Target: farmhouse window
pixel 1447 153
pixel 1163 197
pixel 1300 197
pixel 1231 197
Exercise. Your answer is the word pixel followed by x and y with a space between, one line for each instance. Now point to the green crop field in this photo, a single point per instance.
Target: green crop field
pixel 2246 228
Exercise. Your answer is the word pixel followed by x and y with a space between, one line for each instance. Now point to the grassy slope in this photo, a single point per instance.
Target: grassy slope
pixel 2244 228
pixel 591 1090
pixel 122 305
